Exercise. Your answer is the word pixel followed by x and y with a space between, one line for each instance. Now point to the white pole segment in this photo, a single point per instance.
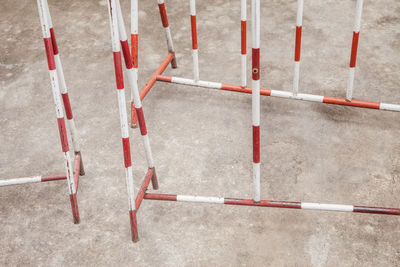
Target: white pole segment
pixel 327 207
pixel 24 180
pixel 186 198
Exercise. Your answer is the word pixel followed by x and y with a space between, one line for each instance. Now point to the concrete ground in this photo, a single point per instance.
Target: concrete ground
pixel 201 140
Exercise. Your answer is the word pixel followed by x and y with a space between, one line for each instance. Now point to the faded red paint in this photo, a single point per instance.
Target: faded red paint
pixel 160 197
pixel 376 210
pixel 67 106
pixel 135 49
pixel 127 54
pixel 255 63
pixel 49 53
pixel 354 103
pixel 143 188
pixel 74 207
pixel 142 122
pixel 134 231
pixel 163 14
pixel 127 152
pixel 53 41
pixel 56 177
pixel 256 144
pixel 63 134
pixel 118 70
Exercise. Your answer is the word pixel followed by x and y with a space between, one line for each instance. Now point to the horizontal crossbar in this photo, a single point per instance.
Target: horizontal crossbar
pixel 45 178
pixel 274 204
pixel 35 179
pixel 281 94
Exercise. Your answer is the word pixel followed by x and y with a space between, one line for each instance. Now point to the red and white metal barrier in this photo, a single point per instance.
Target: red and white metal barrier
pixel 256 92
pixel 274 204
pixel 72 171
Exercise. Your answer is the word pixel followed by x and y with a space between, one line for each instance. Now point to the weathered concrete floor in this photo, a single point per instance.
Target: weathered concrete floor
pixel 201 140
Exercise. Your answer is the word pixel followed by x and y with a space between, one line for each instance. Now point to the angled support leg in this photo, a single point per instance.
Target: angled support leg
pixel 64 91
pixel 113 14
pixel 132 78
pixel 42 4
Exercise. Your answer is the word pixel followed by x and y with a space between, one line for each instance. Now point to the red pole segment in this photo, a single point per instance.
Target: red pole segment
pixel 275 204
pixel 113 17
pixel 164 21
pixel 42 8
pixel 283 94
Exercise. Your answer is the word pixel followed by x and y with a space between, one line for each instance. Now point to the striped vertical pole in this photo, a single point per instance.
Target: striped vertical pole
pixel 243 15
pixel 58 105
pixel 132 78
pixel 255 31
pixel 112 11
pixel 297 48
pixel 354 46
pixel 135 49
pixel 64 90
pixel 195 53
pixel 164 20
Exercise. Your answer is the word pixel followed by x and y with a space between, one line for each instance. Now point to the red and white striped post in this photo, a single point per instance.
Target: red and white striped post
pixel 299 22
pixel 164 21
pixel 255 103
pixel 354 46
pixel 113 14
pixel 64 90
pixel 243 15
pixel 135 49
pixel 132 78
pixel 59 108
pixel 195 52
